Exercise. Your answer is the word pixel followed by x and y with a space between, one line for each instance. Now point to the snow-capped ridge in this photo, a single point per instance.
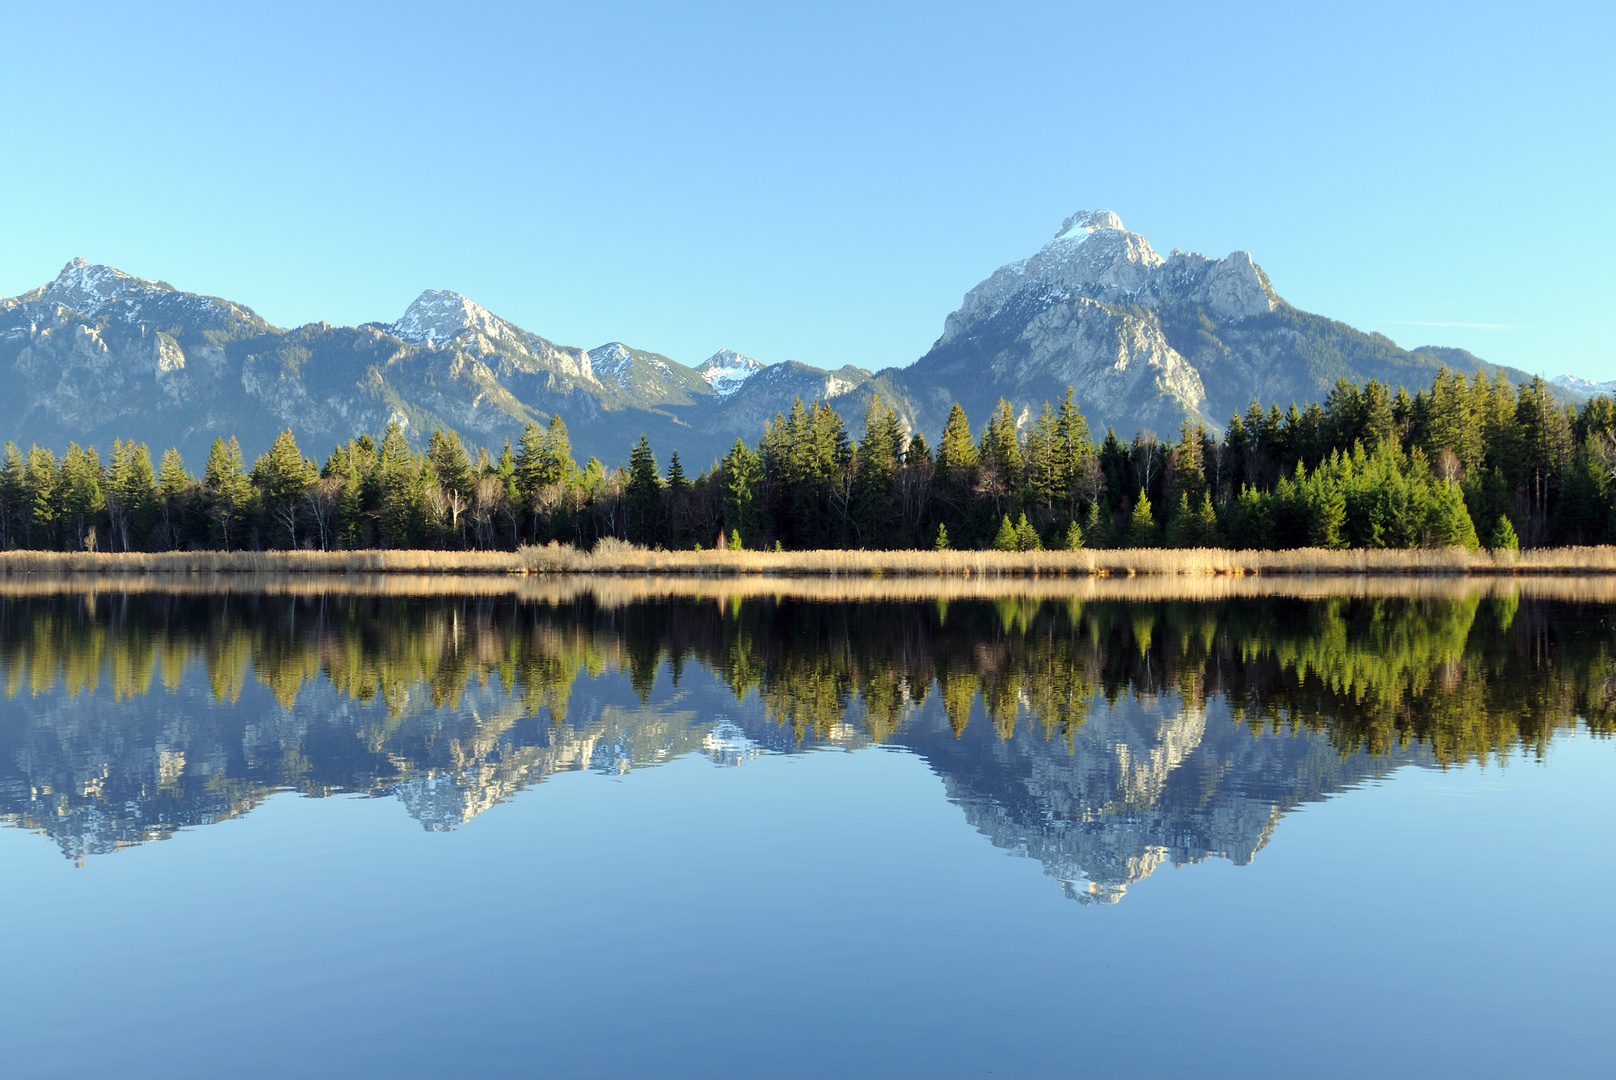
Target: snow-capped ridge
pixel 1585 387
pixel 438 316
pixel 727 370
pixel 83 286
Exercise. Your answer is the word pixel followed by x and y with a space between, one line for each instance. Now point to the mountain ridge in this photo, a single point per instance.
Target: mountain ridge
pixel 1148 341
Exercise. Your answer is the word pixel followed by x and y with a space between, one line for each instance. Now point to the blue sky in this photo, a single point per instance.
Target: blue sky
pixel 820 182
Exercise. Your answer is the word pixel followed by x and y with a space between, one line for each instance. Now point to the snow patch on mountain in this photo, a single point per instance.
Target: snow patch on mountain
pixel 438 316
pixel 611 361
pixel 726 371
pixel 1585 387
pixel 83 287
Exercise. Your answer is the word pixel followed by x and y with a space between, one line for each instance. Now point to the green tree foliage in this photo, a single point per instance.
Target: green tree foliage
pixel 282 477
pixel 642 494
pixel 227 494
pixel 1369 469
pixel 1142 524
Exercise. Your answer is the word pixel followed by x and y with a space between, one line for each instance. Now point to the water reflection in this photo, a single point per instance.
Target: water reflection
pixel 1102 738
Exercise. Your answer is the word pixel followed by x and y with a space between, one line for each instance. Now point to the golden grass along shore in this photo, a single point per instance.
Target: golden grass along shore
pixel 619 590
pixel 616 558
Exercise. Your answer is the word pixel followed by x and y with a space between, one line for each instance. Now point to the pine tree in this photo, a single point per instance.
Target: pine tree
pixel 174 490
pixel 742 479
pixel 13 497
pixel 282 477
pixel 642 495
pixel 677 480
pixel 449 461
pixel 80 494
pixel 131 494
pixel 226 493
pixel 956 452
pixel 1027 538
pixel 1074 538
pixel 400 502
pixel 1006 538
pixel 1503 538
pixel 1099 532
pixel 874 495
pixel 41 476
pixel 917 452
pixel 941 543
pixel 1142 526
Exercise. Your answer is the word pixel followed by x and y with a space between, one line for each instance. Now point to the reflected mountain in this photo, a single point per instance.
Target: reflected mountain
pixel 1102 739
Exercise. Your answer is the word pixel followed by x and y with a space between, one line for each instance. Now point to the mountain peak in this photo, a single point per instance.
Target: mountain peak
pixel 438 316
pixel 1083 223
pixel 726 370
pixel 83 286
pixel 1584 387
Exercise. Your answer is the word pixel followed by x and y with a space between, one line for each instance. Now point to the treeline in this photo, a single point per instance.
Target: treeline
pixel 1468 461
pixel 1466 676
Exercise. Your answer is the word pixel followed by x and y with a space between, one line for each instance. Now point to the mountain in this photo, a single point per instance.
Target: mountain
pixel 1583 388
pixel 1146 341
pixel 98 354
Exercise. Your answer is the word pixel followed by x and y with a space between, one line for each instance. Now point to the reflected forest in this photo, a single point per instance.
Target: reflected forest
pixel 1102 737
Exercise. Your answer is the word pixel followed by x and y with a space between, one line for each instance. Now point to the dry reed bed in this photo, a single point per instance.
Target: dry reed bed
pixel 620 590
pixel 614 558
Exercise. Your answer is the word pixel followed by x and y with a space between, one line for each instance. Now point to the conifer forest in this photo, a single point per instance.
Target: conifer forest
pixel 1467 461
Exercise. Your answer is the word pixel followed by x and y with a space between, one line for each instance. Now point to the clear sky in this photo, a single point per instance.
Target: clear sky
pixel 820 182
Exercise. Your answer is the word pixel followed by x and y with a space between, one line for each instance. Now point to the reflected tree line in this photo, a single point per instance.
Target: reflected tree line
pixel 1466 675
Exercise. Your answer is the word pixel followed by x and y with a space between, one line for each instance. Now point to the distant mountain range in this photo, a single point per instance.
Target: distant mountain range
pixel 1146 341
pixel 1584 388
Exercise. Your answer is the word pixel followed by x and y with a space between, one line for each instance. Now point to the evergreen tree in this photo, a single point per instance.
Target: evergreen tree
pixel 450 463
pixel 13 497
pixel 1141 525
pixel 399 492
pixel 874 495
pixel 226 494
pixel 174 489
pixel 742 478
pixel 1503 538
pixel 1006 538
pixel 1099 531
pixel 282 477
pixel 642 495
pixel 941 543
pixel 131 495
pixel 41 476
pixel 80 495
pixel 1027 538
pixel 1074 538
pixel 956 453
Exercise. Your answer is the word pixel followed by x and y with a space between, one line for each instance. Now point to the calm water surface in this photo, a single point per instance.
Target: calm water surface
pixel 338 835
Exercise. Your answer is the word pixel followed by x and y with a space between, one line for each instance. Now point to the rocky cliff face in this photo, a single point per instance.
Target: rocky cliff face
pixel 97 354
pixel 1145 341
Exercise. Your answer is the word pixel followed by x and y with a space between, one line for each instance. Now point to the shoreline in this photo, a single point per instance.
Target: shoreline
pixel 612 559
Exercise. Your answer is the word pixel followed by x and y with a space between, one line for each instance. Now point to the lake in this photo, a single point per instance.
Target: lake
pixel 398 827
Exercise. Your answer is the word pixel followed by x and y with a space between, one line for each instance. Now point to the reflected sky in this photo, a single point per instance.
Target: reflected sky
pixel 791 837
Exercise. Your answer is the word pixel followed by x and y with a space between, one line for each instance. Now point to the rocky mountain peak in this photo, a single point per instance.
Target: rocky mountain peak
pixel 438 316
pixel 83 286
pixel 726 370
pixel 1083 223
